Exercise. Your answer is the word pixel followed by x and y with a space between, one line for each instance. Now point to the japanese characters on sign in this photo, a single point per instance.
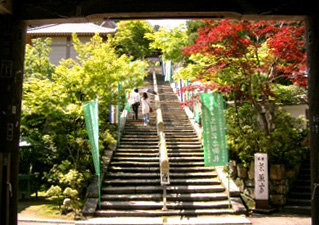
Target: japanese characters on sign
pixel 215 151
pixel 261 176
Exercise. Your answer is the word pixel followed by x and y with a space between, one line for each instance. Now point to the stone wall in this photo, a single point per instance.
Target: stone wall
pixel 280 180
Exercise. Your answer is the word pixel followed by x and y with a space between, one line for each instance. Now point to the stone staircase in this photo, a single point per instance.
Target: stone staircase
pixel 131 185
pixel 299 197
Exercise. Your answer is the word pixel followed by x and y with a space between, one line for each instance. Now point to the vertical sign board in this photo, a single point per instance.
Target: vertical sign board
pixel 91 115
pixel 215 151
pixel 261 176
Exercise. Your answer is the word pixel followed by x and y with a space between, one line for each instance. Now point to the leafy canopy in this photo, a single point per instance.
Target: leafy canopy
pixel 170 42
pixel 52 117
pixel 37 63
pixel 246 60
pixel 129 38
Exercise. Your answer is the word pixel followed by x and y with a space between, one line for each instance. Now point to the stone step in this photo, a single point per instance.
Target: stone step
pixel 186 159
pixel 138 154
pixel 175 141
pixel 160 213
pixel 139 134
pixel 299 195
pixel 156 175
pixel 171 104
pixel 175 106
pixel 183 145
pixel 190 135
pixel 178 150
pixel 171 134
pixel 185 154
pixel 142 129
pixel 200 169
pixel 133 169
pixel 304 176
pixel 143 181
pixel 159 205
pixel 196 181
pixel 112 175
pixel 298 202
pixel 170 197
pixel 298 188
pixel 193 169
pixel 145 133
pixel 300 210
pixel 126 182
pixel 303 182
pixel 132 163
pixel 159 189
pixel 139 146
pixel 139 139
pixel 175 116
pixel 156 163
pixel 174 130
pixel 175 122
pixel 136 150
pixel 166 92
pixel 136 159
pixel 138 143
pixel 153 135
pixel 178 126
pixel 190 164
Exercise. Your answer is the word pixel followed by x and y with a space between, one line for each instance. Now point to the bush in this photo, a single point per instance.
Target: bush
pixel 286 144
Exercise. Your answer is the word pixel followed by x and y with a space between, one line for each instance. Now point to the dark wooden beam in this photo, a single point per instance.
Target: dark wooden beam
pixel 37 12
pixel 12 45
pixel 5 7
pixel 312 23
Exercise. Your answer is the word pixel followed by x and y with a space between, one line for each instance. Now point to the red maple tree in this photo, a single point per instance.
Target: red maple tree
pixel 248 58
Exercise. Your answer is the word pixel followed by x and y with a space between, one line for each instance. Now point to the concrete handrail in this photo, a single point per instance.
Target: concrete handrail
pixel 164 162
pixel 163 156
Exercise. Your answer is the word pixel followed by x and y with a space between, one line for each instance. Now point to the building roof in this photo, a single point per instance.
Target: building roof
pixel 67 29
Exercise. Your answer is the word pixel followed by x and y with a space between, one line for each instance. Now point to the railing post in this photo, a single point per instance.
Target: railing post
pixel 163 157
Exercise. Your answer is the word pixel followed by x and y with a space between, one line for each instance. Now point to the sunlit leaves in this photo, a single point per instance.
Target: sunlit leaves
pixel 129 38
pixel 38 63
pixel 170 42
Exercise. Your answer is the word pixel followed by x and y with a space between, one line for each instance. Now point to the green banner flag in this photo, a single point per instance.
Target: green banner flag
pixel 168 72
pixel 214 133
pixel 127 104
pixel 91 115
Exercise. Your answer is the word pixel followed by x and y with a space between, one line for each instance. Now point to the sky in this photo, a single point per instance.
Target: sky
pixel 169 23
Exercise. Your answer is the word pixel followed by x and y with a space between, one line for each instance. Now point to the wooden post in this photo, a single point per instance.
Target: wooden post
pixel 12 45
pixel 312 26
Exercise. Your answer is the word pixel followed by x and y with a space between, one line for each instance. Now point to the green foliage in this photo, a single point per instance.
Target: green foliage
pixel 286 144
pixel 52 119
pixel 193 70
pixel 192 27
pixel 170 42
pixel 129 39
pixel 74 202
pixel 56 192
pixel 290 94
pixel 38 64
pixel 70 192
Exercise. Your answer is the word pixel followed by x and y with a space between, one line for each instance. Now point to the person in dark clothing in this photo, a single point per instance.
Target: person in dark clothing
pixel 136 101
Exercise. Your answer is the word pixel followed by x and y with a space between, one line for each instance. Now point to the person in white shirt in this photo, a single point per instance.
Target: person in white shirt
pixel 136 101
pixel 145 108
